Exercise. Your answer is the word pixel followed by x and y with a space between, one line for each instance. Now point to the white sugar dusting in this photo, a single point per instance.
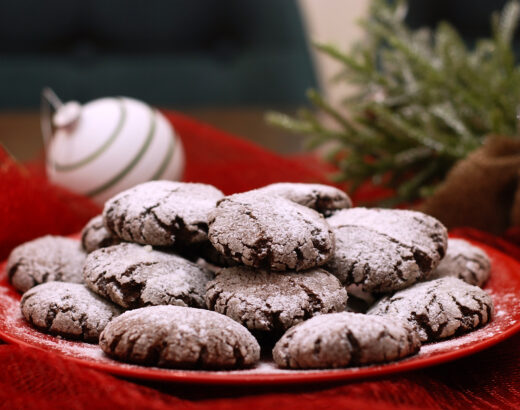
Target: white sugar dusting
pixel 14 328
pixel 310 195
pixel 77 310
pixel 464 261
pixel 295 237
pixel 411 229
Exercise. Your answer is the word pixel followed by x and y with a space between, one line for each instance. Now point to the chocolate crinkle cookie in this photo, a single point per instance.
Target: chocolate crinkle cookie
pixel 94 235
pixel 270 232
pixel 161 212
pixel 179 337
pixel 70 310
pixel 359 301
pixel 206 251
pixel 49 258
pixel 439 308
pixel 384 250
pixel 272 302
pixel 345 339
pixel 133 276
pixel 325 199
pixel 464 261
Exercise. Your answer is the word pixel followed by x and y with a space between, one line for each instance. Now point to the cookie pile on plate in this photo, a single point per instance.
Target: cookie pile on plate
pixel 178 275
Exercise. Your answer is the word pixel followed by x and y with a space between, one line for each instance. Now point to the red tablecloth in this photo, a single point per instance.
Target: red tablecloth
pixel 30 207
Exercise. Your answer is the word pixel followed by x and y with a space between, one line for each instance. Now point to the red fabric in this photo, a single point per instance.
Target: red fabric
pixel 235 165
pixel 33 379
pixel 31 207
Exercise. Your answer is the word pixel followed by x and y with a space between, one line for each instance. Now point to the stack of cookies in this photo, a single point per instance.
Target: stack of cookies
pixel 178 275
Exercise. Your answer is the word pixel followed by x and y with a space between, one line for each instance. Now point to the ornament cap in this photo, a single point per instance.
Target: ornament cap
pixel 67 114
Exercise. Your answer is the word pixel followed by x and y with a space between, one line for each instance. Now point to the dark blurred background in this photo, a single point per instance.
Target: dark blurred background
pixel 180 53
pixel 222 61
pixel 470 17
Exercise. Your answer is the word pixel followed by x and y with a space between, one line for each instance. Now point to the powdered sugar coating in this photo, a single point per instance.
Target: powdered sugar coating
pixel 385 250
pixel 270 232
pixel 174 336
pixel 161 212
pixel 266 301
pixel 464 261
pixel 344 339
pixel 70 310
pixel 94 235
pixel 207 251
pixel 439 308
pixel 49 258
pixel 133 276
pixel 323 198
pixel 505 322
pixel 359 301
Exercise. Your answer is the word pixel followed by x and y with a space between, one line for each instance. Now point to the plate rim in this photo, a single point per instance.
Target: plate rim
pixel 209 377
pixel 137 372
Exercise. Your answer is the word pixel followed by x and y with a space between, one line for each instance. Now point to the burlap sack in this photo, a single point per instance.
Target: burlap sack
pixel 483 190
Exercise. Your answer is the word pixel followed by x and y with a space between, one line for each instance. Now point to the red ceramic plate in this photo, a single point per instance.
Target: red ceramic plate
pixel 504 286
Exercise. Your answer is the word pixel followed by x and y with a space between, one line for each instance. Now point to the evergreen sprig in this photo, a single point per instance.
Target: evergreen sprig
pixel 424 100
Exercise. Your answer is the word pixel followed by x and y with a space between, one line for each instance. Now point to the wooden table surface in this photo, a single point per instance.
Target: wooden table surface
pixel 20 130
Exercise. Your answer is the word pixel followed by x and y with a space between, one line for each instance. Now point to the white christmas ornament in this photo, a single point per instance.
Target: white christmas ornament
pixel 109 145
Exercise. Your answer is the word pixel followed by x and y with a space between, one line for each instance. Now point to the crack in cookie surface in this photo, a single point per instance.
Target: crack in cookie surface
pixel 345 339
pixel 270 232
pixel 67 309
pixel 134 276
pixel 322 198
pixel 49 258
pixel 464 261
pixel 95 235
pixel 385 250
pixel 179 337
pixel 161 212
pixel 439 308
pixel 271 302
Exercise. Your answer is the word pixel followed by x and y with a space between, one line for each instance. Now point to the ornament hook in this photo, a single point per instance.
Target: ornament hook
pixel 49 103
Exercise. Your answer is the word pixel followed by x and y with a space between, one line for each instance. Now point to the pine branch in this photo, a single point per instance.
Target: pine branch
pixel 424 101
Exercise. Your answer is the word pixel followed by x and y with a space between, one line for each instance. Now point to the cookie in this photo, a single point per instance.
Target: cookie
pixel 464 261
pixel 161 212
pixel 132 275
pixel 206 251
pixel 358 300
pixel 179 337
pixel 46 259
pixel 70 310
pixel 325 199
pixel 345 339
pixel 384 250
pixel 270 232
pixel 94 235
pixel 271 302
pixel 439 308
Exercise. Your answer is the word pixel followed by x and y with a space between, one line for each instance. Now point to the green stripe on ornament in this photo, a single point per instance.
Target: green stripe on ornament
pixel 166 160
pixel 126 170
pixel 109 141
